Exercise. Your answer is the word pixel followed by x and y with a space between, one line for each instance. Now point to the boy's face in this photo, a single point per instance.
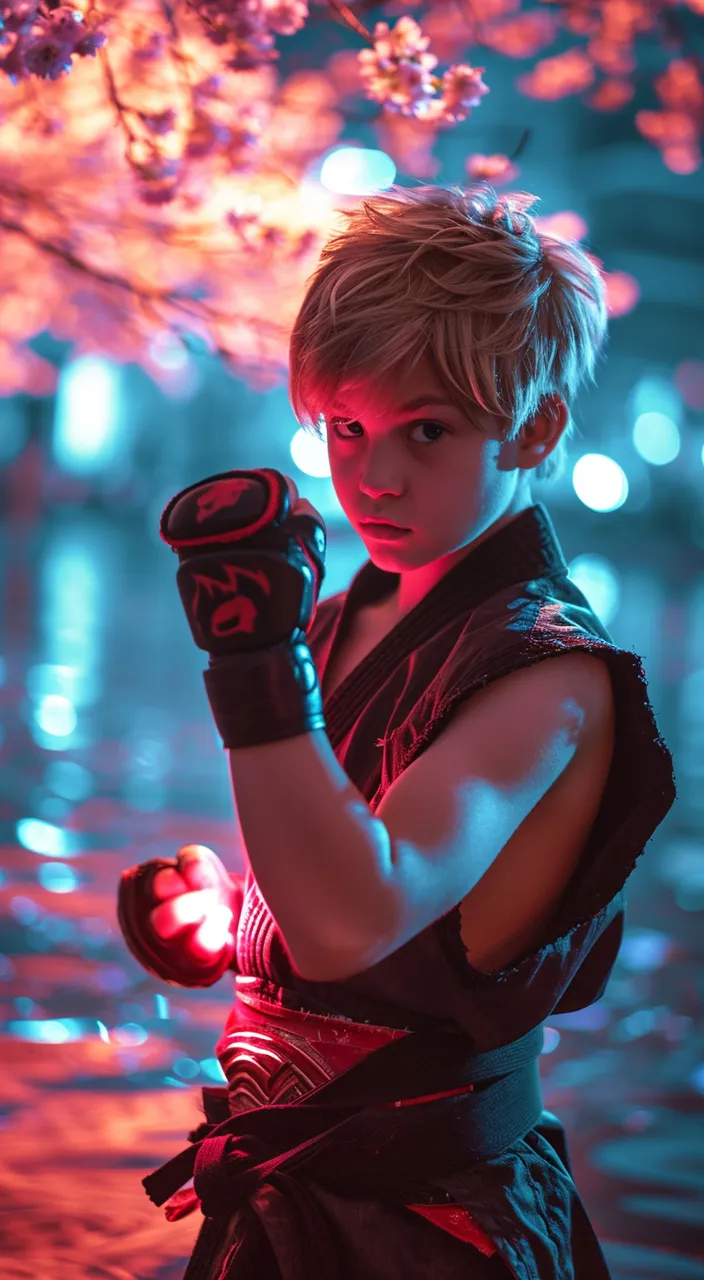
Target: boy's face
pixel 445 476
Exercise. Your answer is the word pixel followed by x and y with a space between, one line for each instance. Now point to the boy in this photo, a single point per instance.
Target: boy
pixel 438 839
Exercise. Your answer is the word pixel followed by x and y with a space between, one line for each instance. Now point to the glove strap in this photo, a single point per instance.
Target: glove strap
pixel 265 696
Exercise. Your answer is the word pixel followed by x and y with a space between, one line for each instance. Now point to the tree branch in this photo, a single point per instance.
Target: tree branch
pixel 348 18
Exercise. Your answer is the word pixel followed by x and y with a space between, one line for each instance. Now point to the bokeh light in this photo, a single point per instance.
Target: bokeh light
pixel 128 1035
pixel 357 171
pixel 187 1068
pixel 69 780
pixel 44 1031
pixel 622 293
pixel 56 716
pixel 644 950
pixel 161 1005
pixel 566 225
pixel 599 580
pixel 212 1069
pixel 57 877
pixel 310 454
pixel 25 909
pixel 599 482
pixel 44 837
pixel 54 679
pixel 656 438
pixel 87 436
pixel 551 1039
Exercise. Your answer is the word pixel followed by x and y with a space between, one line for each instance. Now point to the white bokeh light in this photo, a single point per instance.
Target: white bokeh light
pixel 656 438
pixel 310 454
pixel 56 716
pixel 357 171
pixel 44 837
pixel 599 580
pixel 599 482
pixel 87 436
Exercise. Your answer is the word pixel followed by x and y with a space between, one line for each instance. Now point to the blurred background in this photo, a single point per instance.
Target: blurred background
pixel 108 755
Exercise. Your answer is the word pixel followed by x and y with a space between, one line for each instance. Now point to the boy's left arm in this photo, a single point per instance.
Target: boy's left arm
pixel 348 887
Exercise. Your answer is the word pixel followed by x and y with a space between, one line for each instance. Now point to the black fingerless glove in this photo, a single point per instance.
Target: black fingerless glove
pixel 249 578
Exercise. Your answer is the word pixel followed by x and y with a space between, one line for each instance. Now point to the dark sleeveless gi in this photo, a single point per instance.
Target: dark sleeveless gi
pixel 506 605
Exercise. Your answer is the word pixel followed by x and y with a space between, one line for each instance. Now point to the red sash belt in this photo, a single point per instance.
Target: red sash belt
pixel 332 1045
pixel 270 1054
pixel 310 1091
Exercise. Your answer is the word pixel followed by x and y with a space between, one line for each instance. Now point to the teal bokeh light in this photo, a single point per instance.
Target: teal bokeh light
pixel 357 171
pixel 656 438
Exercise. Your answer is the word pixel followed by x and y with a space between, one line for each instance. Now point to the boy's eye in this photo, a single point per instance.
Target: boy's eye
pixel 340 426
pixel 337 424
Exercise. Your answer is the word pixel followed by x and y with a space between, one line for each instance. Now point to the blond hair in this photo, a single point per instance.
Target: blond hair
pixel 505 314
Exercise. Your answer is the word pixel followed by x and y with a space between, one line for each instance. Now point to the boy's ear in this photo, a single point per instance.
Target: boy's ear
pixel 541 433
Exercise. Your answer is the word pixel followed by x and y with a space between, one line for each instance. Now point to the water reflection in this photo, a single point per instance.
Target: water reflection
pixel 109 757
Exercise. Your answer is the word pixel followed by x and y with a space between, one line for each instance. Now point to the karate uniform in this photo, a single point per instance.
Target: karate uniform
pixel 474 1183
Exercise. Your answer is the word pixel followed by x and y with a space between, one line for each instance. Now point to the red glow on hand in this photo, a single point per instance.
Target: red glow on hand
pixel 214 933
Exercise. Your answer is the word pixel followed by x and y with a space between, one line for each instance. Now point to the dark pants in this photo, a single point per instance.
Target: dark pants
pixel 354 1240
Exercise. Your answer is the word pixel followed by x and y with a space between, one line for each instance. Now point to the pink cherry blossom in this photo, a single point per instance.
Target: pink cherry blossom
pixel 285 16
pixel 496 169
pixel 397 70
pixel 462 89
pixel 156 162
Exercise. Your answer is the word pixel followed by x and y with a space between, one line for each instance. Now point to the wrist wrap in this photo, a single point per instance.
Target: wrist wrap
pixel 265 696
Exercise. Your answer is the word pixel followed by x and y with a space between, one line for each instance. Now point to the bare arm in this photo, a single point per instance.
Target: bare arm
pixel 348 887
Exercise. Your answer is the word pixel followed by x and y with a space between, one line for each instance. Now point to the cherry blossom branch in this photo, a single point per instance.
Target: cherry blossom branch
pixel 120 107
pixel 351 20
pixel 184 63
pixel 521 145
pixel 206 125
pixel 193 306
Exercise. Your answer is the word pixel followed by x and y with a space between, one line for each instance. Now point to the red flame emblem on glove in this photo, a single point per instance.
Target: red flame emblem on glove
pixel 237 612
pixel 222 494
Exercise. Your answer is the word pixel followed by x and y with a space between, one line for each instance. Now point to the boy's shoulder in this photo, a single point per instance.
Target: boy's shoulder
pixel 551 609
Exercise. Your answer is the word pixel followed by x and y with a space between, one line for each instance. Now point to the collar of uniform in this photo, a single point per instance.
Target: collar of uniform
pixel 525 548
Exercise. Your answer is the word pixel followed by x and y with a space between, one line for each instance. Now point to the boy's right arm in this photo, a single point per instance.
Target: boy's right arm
pixel 179 916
